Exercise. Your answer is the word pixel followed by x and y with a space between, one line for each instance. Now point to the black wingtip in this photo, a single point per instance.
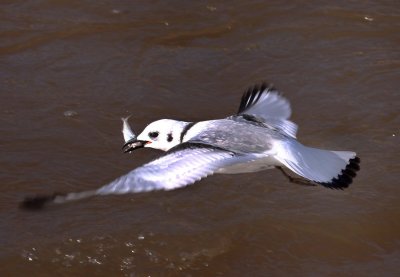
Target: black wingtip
pixel 346 177
pixel 252 95
pixel 34 203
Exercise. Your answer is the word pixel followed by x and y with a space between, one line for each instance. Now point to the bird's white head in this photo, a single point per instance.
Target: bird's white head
pixel 162 134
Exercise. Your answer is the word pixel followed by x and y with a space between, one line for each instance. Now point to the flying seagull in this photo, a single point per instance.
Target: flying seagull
pixel 259 136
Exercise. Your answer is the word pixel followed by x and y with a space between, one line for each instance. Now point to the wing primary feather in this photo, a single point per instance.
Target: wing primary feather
pixel 179 167
pixel 264 105
pixel 252 95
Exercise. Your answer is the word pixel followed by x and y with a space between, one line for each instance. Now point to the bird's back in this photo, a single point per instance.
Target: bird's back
pixel 238 136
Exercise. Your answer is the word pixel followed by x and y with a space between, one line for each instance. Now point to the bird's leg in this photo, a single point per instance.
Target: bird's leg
pixel 298 181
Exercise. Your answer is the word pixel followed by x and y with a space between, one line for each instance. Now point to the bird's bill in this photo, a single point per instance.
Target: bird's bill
pixel 133 145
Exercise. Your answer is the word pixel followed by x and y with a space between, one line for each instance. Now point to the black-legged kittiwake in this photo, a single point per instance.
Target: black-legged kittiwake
pixel 258 137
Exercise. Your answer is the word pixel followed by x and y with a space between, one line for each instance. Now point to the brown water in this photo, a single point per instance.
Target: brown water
pixel 70 69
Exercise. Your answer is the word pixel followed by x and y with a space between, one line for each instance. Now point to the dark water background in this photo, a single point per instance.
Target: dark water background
pixel 70 69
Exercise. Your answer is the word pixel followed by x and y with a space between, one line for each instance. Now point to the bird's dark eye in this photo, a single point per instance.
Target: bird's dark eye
pixel 153 134
pixel 169 137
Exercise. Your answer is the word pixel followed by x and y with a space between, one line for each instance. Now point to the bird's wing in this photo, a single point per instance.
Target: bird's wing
pixel 181 166
pixel 332 169
pixel 264 103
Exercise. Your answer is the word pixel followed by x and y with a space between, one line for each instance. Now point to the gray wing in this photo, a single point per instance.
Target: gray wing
pixel 267 105
pixel 264 102
pixel 181 166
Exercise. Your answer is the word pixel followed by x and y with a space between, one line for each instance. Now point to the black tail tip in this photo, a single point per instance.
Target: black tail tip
pixel 37 202
pixel 346 176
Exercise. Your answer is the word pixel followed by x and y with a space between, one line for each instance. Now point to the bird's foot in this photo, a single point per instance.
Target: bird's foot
pixel 294 180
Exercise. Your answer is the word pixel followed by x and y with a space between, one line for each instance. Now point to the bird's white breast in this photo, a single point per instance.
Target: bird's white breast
pixel 259 164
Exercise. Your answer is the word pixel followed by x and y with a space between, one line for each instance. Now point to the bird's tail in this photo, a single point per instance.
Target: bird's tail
pixel 333 169
pixel 39 201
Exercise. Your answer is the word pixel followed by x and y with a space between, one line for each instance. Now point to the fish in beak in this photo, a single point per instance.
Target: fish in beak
pixel 127 131
pixel 133 144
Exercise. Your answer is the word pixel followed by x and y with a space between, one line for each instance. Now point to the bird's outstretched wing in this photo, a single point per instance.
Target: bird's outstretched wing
pixel 264 103
pixel 181 166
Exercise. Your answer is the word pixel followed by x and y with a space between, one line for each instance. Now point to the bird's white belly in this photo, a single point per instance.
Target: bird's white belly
pixel 260 164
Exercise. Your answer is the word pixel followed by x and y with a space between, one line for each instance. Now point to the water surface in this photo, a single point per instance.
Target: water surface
pixel 70 69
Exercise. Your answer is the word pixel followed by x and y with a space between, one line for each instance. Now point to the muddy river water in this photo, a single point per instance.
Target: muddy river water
pixel 69 70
